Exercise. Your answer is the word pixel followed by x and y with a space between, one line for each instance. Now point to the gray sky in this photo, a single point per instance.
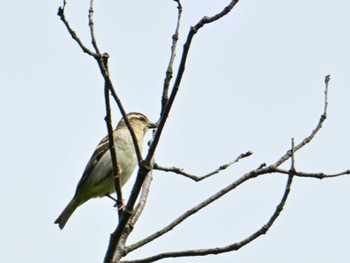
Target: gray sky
pixel 253 80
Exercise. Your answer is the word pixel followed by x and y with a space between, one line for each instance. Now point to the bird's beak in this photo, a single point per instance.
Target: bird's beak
pixel 152 125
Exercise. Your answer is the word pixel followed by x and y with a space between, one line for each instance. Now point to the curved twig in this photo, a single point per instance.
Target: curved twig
pixel 200 178
pixel 323 117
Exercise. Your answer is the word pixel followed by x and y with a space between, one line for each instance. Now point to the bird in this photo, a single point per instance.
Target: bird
pixel 97 179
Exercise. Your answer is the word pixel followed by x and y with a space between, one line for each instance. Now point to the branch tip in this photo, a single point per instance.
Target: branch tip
pixel 105 58
pixel 248 153
pixel 262 165
pixel 60 11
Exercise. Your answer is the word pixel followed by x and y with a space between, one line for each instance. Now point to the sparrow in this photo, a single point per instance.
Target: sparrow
pixel 97 179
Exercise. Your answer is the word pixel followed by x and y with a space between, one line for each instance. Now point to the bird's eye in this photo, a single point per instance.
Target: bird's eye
pixel 141 118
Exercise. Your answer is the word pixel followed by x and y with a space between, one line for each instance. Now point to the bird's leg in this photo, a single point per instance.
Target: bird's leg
pixel 111 197
pixel 118 204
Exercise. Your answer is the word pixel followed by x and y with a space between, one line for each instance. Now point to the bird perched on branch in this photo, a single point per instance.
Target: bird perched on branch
pixel 97 179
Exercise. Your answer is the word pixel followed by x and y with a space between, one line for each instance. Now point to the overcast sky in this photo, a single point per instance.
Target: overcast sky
pixel 253 80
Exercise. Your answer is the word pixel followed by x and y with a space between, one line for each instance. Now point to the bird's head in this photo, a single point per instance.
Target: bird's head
pixel 138 121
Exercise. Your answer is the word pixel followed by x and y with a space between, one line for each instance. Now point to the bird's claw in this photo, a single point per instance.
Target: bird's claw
pixel 120 205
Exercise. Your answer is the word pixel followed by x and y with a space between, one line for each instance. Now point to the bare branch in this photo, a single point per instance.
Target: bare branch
pixel 169 71
pixel 205 20
pixel 135 216
pixel 116 173
pixel 232 247
pixel 263 169
pixel 117 250
pixel 292 166
pixel 115 168
pixel 120 249
pixel 121 109
pixel 143 199
pixel 92 28
pixel 195 209
pixel 145 166
pixel 323 117
pixel 320 175
pixel 73 34
pixel 103 64
pixel 200 178
pixel 101 60
pixel 116 237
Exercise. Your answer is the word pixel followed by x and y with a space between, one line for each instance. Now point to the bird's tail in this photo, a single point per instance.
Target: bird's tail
pixel 66 213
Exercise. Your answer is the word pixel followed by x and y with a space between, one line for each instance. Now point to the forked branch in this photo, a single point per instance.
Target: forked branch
pixel 193 30
pixel 103 66
pixel 145 167
pixel 224 249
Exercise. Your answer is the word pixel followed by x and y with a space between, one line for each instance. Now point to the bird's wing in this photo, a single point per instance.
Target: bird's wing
pixel 100 150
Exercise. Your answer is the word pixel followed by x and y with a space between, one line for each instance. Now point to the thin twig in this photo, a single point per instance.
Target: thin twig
pixel 116 173
pixel 292 167
pixel 169 71
pixel 73 34
pixel 92 28
pixel 200 178
pixel 103 65
pixel 323 117
pixel 320 175
pixel 123 112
